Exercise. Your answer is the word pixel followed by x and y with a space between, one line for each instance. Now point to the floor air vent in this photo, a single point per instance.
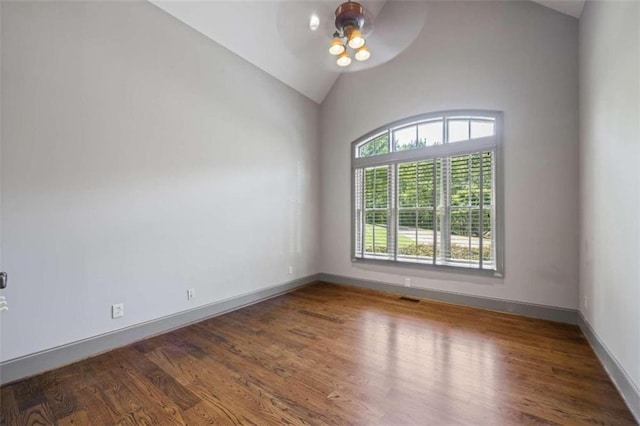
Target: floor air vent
pixel 409 299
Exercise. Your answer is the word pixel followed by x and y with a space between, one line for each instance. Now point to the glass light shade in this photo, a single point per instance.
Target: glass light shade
pixel 356 41
pixel 314 22
pixel 363 53
pixel 344 60
pixel 336 47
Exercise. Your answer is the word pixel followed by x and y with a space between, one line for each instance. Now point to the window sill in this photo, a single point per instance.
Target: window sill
pixel 430 267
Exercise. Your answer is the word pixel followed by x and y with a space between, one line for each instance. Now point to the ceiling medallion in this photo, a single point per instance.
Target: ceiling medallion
pixel 349 21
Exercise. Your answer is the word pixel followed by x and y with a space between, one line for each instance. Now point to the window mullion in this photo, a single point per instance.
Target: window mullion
pixel 481 212
pixel 434 218
pixel 357 189
pixel 470 215
pixel 374 214
pixel 494 212
pixel 416 201
pixel 391 212
pixel 364 212
pixel 445 220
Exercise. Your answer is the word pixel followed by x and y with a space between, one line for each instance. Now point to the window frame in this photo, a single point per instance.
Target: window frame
pixel 489 143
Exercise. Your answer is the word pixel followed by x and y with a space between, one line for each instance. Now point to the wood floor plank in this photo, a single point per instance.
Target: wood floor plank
pixel 31 392
pixel 176 392
pixel 61 400
pixel 131 406
pixel 141 386
pixel 9 410
pixel 77 418
pixel 38 415
pixel 220 388
pixel 91 397
pixel 330 354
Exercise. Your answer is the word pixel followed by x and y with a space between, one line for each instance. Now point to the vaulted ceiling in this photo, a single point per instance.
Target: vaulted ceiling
pixel 274 35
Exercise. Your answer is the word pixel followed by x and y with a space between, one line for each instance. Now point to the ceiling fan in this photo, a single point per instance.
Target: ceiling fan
pixel 327 33
pixel 349 20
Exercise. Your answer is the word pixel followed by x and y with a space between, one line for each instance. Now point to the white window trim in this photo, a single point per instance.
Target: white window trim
pixel 494 143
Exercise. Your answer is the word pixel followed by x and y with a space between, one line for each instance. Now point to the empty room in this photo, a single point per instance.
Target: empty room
pixel 381 212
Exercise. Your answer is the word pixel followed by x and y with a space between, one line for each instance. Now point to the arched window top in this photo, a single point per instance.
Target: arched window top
pixel 428 130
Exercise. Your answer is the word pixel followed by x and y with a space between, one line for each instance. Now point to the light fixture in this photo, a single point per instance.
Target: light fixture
pixel 349 22
pixel 356 41
pixel 344 60
pixel 314 22
pixel 363 53
pixel 337 45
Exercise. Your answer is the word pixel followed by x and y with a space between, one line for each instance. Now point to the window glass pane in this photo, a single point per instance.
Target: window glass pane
pixel 474 179
pixel 458 237
pixel 425 183
pixel 358 193
pixel 407 220
pixel 442 218
pixel 460 233
pixel 376 146
pixel 481 129
pixel 415 184
pixel 415 234
pixel 369 220
pixel 487 178
pixel 425 233
pixel 381 187
pixel 407 239
pixel 376 200
pixel 488 240
pixel 442 243
pixel 430 133
pixel 376 187
pixel 407 184
pixel 488 212
pixel 458 130
pixel 405 138
pixel 376 232
pixel 369 188
pixel 459 180
pixel 475 240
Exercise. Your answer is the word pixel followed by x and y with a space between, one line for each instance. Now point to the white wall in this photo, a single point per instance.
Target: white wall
pixel 610 177
pixel 140 159
pixel 517 57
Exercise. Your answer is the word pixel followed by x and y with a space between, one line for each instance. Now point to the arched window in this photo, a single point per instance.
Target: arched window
pixel 427 191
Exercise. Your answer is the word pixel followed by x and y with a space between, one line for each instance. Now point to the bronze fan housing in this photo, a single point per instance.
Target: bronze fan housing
pixel 349 15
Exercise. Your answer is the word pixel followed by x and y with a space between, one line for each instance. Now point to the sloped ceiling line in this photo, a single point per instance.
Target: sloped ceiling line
pixel 260 23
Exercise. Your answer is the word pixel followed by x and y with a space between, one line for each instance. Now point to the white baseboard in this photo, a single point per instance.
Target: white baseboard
pixel 629 391
pixel 551 313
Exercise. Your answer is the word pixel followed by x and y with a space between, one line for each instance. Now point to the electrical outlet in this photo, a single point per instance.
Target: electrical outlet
pixel 117 310
pixel 191 293
pixel 407 282
pixel 290 270
pixel 586 302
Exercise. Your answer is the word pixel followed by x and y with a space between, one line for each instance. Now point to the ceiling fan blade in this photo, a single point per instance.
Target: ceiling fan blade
pixel 396 26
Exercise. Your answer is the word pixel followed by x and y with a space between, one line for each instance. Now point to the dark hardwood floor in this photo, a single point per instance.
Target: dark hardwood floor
pixel 328 354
